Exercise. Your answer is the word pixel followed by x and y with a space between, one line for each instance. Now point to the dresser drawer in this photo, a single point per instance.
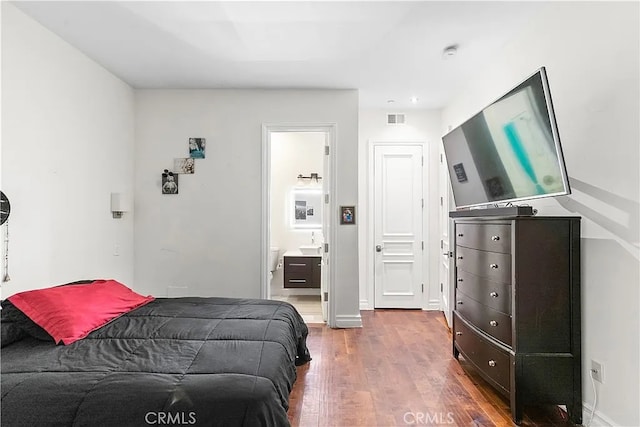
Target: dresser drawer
pixel 491 265
pixel 493 322
pixel 488 358
pixel 487 237
pixel 492 294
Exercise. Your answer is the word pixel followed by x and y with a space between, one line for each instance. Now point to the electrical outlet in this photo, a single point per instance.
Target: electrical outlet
pixel 597 371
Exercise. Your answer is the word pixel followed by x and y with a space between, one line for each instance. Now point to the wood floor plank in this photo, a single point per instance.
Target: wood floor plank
pixel 397 370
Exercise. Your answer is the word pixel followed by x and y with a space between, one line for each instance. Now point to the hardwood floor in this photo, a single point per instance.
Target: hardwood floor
pixel 397 370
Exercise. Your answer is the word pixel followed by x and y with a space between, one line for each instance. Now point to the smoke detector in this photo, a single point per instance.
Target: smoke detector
pixel 450 51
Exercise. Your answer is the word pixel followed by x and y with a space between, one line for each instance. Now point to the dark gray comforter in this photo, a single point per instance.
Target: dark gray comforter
pixel 183 361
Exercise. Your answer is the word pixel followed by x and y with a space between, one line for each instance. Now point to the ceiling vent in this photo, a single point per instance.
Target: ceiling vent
pixel 395 119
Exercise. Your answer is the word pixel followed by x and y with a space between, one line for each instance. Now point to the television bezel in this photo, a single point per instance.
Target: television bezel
pixel 556 142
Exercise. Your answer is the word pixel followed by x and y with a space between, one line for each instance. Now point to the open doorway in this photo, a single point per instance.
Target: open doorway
pixel 296 218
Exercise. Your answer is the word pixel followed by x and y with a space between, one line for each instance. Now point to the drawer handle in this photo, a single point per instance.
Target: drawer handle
pixel 460 235
pixel 459 302
pixel 494 266
pixel 297 281
pixel 494 294
pixel 458 333
pixel 495 238
pixel 293 264
pixel 459 256
pixel 460 280
pixel 493 323
pixel 492 363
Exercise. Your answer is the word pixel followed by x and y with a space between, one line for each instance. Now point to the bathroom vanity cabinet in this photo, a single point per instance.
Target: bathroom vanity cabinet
pixel 302 271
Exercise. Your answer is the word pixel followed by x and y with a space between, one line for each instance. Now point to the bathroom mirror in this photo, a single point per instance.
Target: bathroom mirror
pixel 306 208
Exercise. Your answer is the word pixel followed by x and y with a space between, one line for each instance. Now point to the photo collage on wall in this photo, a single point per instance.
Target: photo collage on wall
pixel 183 166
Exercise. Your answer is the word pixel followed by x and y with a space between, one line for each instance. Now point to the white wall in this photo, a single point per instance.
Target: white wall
pixel 292 154
pixel 591 52
pixel 208 237
pixel 67 143
pixel 420 126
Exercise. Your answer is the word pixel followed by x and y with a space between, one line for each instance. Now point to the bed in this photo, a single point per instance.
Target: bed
pixel 180 361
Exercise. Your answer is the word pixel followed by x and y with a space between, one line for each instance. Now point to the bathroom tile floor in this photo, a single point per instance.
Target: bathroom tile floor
pixel 307 305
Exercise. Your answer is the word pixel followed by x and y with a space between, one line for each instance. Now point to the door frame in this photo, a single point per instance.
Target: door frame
pixel 368 303
pixel 445 224
pixel 330 129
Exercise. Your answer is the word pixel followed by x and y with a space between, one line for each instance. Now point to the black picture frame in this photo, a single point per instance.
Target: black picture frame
pixel 347 215
pixel 169 182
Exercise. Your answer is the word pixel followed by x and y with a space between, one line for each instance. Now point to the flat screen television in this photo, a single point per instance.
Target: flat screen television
pixel 510 151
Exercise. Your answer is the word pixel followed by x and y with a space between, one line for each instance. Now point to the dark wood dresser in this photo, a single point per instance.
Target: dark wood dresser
pixel 302 271
pixel 517 307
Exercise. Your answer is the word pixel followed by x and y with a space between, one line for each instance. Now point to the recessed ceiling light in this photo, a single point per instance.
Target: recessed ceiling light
pixel 390 101
pixel 450 51
pixel 414 99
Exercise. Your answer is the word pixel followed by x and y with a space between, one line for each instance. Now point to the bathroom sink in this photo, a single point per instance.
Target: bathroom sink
pixel 310 249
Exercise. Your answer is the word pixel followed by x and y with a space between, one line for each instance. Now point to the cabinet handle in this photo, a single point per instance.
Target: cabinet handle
pixel 494 294
pixel 494 266
pixel 459 256
pixel 460 235
pixel 495 238
pixel 293 264
pixel 493 323
pixel 492 363
pixel 297 281
pixel 458 333
pixel 460 280
pixel 459 302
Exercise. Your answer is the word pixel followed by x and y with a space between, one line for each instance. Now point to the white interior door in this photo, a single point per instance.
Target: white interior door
pixel 398 226
pixel 325 267
pixel 446 289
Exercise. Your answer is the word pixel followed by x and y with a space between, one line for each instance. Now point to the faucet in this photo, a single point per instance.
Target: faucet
pixel 313 237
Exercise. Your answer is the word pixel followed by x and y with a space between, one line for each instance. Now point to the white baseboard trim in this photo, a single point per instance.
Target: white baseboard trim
pixel 348 321
pixel 599 419
pixel 433 305
pixel 365 305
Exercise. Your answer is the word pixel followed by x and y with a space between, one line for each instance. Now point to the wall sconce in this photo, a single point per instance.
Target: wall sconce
pixel 119 205
pixel 313 177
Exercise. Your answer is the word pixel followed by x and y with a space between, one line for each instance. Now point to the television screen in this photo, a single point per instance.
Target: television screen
pixel 509 151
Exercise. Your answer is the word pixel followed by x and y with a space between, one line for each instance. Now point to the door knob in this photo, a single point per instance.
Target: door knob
pixel 378 248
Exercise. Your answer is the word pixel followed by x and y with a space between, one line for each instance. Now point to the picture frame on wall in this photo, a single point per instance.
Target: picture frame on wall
pixel 347 215
pixel 196 148
pixel 184 166
pixel 169 182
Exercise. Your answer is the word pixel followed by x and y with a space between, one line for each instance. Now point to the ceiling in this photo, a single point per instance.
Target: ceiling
pixel 388 50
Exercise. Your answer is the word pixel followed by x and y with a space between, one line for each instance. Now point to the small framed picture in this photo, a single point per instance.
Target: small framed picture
pixel 184 166
pixel 169 182
pixel 347 214
pixel 196 148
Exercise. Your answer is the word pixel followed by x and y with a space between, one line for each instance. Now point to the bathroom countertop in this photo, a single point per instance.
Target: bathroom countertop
pixel 298 253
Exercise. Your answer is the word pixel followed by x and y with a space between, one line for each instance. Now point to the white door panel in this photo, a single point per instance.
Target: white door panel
pixel 398 232
pixel 326 231
pixel 446 287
